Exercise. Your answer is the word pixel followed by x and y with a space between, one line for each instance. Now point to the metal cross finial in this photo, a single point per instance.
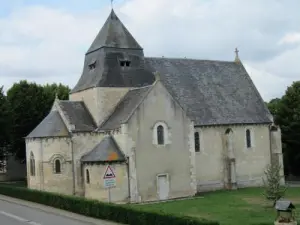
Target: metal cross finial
pixel 236 52
pixel 111 3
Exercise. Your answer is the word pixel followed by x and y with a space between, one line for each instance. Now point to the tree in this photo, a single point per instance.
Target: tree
pixel 274 107
pixel 273 190
pixel 29 104
pixel 286 112
pixel 4 124
pixel 51 90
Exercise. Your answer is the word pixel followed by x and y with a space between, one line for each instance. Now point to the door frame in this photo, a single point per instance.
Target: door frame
pixel 157 184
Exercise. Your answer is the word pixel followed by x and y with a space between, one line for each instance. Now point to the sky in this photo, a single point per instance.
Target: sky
pixel 44 41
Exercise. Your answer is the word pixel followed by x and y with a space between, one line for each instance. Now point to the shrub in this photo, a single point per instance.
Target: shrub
pixel 273 190
pixel 100 210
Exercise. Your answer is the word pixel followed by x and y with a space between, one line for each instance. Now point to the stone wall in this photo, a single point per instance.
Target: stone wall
pixel 57 149
pixel 95 188
pixel 149 159
pixel 100 101
pixel 34 146
pixel 46 151
pixel 250 163
pixel 82 144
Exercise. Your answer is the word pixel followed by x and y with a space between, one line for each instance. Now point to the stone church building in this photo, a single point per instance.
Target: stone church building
pixel 168 127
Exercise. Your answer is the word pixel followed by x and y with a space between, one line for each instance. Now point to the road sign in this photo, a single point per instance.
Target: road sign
pixel 109 178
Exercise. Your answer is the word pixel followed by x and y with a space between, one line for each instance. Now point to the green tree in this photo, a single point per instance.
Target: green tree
pixel 29 104
pixel 274 107
pixel 51 90
pixel 286 113
pixel 4 124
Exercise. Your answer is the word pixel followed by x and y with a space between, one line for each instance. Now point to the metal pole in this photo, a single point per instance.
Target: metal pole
pixel 109 195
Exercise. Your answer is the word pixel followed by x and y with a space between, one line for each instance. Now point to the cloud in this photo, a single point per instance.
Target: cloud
pixel 291 38
pixel 48 44
pixel 39 43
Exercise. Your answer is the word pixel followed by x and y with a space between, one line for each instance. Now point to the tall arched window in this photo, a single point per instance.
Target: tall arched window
pixel 57 166
pixel 32 164
pixel 87 176
pixel 197 142
pixel 160 135
pixel 248 138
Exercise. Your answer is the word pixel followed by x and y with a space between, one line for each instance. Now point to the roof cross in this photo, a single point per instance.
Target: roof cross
pixel 111 3
pixel 236 52
pixel 237 59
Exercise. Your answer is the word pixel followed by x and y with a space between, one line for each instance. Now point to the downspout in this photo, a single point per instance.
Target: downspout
pixel 128 177
pixel 73 163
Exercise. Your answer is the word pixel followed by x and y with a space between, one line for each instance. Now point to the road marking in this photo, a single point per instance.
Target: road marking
pixel 19 218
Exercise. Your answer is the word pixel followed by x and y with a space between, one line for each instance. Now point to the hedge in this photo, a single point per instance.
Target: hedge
pixel 100 210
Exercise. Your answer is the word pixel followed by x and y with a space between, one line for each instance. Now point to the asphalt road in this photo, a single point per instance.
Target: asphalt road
pixel 12 213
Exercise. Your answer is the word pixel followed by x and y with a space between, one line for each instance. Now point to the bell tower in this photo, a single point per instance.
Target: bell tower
pixel 113 65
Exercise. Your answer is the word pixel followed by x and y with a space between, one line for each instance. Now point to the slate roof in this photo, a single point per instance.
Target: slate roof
pixel 109 73
pixel 284 205
pixel 212 92
pixel 125 108
pixel 106 151
pixel 113 44
pixel 51 126
pixel 78 115
pixel 114 34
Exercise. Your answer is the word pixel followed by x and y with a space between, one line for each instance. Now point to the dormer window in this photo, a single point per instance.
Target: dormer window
pixel 92 65
pixel 125 63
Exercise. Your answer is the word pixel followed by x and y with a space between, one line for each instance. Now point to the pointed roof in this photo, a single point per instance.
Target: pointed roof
pixel 106 151
pixel 212 92
pixel 51 126
pixel 114 34
pixel 78 115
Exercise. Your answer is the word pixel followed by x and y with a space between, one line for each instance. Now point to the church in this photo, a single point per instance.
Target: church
pixel 165 128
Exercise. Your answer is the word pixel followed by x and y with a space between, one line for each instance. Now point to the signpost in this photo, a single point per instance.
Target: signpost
pixel 109 179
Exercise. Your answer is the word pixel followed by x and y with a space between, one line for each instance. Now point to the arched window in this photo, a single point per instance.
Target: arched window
pixel 32 164
pixel 197 142
pixel 248 138
pixel 160 135
pixel 87 176
pixel 57 167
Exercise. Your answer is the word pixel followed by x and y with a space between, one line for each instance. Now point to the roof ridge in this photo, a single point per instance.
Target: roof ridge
pixel 177 58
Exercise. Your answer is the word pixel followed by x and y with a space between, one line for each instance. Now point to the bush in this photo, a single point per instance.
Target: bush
pixel 100 210
pixel 273 190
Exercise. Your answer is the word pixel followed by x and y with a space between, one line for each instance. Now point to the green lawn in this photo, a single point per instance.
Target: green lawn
pixel 244 206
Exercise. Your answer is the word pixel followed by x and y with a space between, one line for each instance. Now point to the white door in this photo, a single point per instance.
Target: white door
pixel 163 187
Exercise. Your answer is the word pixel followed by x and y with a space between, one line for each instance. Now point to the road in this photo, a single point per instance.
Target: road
pixel 18 212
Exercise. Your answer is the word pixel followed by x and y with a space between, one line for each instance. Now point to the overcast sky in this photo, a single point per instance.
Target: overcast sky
pixel 44 41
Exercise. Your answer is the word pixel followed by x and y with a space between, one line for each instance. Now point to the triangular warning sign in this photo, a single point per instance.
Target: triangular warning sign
pixel 109 173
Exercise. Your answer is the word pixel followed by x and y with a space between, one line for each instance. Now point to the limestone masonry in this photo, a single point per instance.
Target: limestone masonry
pixel 168 127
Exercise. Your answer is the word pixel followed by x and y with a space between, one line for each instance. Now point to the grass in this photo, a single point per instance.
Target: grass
pixel 244 206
